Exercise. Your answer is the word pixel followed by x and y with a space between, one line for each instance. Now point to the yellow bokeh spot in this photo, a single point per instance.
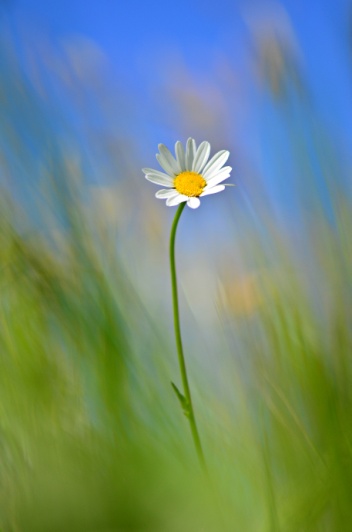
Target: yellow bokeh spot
pixel 189 184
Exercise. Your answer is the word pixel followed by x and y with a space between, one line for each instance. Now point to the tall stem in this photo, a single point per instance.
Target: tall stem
pixel 181 358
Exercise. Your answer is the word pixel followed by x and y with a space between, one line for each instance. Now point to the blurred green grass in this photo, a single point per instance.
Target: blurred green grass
pixel 91 436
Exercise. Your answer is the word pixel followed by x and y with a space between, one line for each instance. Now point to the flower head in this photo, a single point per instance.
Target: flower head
pixel 190 175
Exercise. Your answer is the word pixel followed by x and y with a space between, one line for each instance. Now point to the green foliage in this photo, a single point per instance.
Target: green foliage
pixel 90 436
pixel 183 401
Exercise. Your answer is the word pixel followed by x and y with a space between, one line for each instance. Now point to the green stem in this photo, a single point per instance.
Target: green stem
pixel 181 358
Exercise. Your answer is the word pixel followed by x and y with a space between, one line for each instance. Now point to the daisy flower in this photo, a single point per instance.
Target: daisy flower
pixel 190 175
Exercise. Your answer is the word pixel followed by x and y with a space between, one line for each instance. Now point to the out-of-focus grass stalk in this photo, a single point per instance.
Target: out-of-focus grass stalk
pixel 186 399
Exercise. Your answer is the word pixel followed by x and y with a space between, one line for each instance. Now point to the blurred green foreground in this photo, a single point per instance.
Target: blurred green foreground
pixel 91 435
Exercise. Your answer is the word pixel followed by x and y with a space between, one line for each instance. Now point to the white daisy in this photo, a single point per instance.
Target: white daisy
pixel 189 176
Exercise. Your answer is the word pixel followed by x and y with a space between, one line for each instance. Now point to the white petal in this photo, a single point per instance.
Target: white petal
pixel 213 190
pixel 180 155
pixel 221 175
pixel 152 171
pixel 215 163
pixel 191 149
pixel 201 157
pixel 166 155
pixel 165 193
pixel 193 203
pixel 172 196
pixel 175 200
pixel 160 179
pixel 165 165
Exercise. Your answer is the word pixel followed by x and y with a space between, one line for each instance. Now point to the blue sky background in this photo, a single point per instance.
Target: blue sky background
pixel 136 36
pixel 162 54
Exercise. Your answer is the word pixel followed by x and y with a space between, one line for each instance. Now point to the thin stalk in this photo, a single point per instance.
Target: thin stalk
pixel 181 359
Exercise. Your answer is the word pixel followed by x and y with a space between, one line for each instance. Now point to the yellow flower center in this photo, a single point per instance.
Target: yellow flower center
pixel 189 184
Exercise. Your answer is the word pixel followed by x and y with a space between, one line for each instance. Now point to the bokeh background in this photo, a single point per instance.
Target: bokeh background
pixel 92 437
